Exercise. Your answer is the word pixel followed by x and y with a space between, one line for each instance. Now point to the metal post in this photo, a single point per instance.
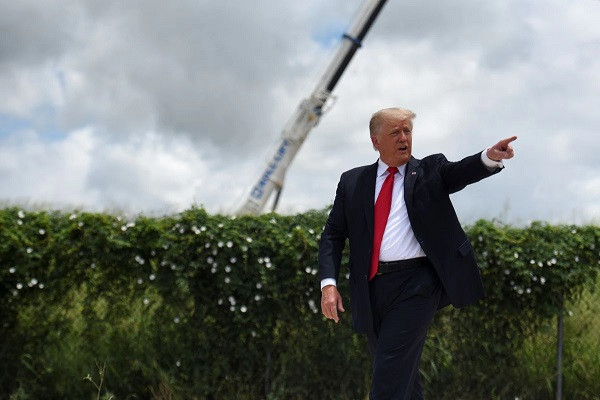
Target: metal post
pixel 268 373
pixel 559 354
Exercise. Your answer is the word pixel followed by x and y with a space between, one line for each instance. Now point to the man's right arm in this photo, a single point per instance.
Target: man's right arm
pixel 333 240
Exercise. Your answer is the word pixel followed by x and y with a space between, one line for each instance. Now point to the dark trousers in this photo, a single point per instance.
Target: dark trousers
pixel 403 304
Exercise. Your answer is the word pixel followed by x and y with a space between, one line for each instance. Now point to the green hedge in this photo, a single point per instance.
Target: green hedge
pixel 216 307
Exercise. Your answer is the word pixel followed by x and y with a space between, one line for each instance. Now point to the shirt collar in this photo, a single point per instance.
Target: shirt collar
pixel 382 168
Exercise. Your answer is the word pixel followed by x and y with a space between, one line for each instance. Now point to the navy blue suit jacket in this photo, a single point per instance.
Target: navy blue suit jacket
pixel 427 186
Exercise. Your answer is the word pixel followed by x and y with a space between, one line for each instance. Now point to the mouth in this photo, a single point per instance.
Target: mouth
pixel 402 148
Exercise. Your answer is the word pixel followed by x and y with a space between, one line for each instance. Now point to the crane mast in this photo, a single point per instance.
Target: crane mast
pixel 308 113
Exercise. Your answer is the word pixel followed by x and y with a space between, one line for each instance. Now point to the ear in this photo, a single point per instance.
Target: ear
pixel 375 142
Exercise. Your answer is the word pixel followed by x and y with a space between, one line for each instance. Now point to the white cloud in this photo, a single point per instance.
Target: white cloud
pixel 152 106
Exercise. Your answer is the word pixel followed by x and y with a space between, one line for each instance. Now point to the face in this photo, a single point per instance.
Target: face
pixel 394 141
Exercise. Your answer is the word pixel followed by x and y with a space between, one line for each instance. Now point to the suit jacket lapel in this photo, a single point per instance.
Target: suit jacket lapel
pixel 412 172
pixel 366 184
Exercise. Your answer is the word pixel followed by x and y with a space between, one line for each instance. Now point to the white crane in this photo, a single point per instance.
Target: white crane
pixel 308 113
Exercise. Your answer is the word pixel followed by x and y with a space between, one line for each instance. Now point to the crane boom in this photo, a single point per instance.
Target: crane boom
pixel 309 112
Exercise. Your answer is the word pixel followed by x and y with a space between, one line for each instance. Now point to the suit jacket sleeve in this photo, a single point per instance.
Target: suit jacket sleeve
pixel 457 175
pixel 333 238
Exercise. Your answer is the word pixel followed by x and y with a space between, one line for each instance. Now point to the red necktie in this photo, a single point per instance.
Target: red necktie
pixel 382 211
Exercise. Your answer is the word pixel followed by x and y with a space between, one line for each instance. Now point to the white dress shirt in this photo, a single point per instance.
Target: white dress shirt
pixel 399 241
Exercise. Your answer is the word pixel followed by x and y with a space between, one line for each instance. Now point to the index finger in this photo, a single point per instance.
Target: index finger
pixel 508 140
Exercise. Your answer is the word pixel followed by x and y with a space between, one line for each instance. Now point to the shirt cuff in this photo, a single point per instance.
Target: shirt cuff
pixel 489 163
pixel 328 281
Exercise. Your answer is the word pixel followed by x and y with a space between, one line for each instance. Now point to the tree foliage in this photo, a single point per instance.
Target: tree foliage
pixel 218 307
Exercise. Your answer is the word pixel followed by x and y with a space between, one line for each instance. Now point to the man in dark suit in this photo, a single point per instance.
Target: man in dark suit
pixel 409 255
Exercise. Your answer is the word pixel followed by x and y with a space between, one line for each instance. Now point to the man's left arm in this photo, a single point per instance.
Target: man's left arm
pixel 457 175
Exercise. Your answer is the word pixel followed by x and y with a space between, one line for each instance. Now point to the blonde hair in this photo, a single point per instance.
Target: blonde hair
pixel 381 115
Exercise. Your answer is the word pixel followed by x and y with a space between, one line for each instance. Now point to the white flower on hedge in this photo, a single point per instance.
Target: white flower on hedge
pixel 220 225
pixel 535 278
pixel 214 252
pixel 42 232
pixel 220 244
pixel 260 260
pixel 520 291
pixel 516 255
pixel 32 282
pixel 207 245
pixel 139 260
pixel 259 285
pixel 528 290
pixel 152 277
pixel 314 272
pixel 507 271
pixel 273 221
pixel 21 214
pixel 540 264
pixel 220 302
pixel 12 270
pixel 231 300
pixel 209 260
pixel 243 309
pixel 202 228
pixel 553 261
pixel 532 261
pixel 15 293
pixel 308 270
pixel 576 259
pixel 311 304
pixel 73 216
pixel 542 280
pixel 140 281
pixel 29 250
pixel 311 231
pixel 178 363
pixel 146 301
pixel 249 239
pixel 227 279
pixel 19 222
pixel 41 285
pixel 232 308
pixel 176 320
pixel 244 248
pixel 227 269
pixel 257 297
pixel 229 244
pixel 233 260
pixel 123 228
pixel 268 265
pixel 570 313
pixel 19 286
pixel 213 269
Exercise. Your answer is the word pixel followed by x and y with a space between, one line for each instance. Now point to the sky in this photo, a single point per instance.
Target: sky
pixel 151 107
